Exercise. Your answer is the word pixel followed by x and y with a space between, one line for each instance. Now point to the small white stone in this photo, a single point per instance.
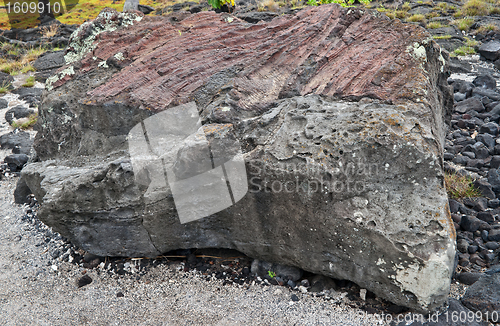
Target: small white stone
pixel 362 294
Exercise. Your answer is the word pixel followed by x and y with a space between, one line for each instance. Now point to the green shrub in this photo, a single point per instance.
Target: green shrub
pixel 219 3
pixel 400 14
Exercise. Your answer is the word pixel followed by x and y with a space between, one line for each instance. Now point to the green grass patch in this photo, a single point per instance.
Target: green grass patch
pixel 431 14
pixel 464 50
pixel 27 68
pixel 459 186
pixel 442 37
pixel 406 6
pixel 434 25
pixel 417 18
pixel 463 24
pixel 4 88
pixel 475 8
pixel 30 82
pixel 471 42
pixel 26 124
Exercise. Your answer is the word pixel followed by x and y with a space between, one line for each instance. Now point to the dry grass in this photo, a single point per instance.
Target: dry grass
pixel 463 24
pixel 475 8
pixel 22 64
pixel 4 87
pixel 459 186
pixel 417 18
pixel 267 5
pixel 406 6
pixel 25 123
pixel 486 28
pixel 442 37
pixel 434 25
pixel 50 31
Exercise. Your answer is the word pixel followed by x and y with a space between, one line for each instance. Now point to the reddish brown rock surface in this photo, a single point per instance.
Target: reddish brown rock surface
pixel 344 53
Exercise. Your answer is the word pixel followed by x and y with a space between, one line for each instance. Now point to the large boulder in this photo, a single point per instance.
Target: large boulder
pixel 314 140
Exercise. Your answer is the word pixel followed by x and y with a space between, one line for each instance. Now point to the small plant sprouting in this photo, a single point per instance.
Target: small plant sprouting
pixel 271 274
pixel 4 88
pixel 26 124
pixel 30 82
pixel 459 186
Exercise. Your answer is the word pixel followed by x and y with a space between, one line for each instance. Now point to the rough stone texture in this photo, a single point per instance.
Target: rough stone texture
pixel 484 296
pixel 490 50
pixel 352 190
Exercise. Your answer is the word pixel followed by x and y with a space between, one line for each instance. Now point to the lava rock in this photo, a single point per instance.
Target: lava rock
pixel 22 192
pixel 469 278
pixel 488 141
pixel 490 128
pixel 462 245
pixel 494 235
pixel 470 223
pixel 485 216
pixel 84 280
pixel 485 81
pixel 49 61
pixel 16 161
pixel 3 104
pixel 18 112
pixel 484 295
pixel 485 188
pixel 255 17
pixel 15 138
pixel 274 125
pixel 490 50
pixel 472 103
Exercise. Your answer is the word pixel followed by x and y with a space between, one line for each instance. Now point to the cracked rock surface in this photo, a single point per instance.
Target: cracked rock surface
pixel 340 118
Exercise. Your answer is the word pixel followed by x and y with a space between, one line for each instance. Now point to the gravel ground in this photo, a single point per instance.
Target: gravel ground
pixel 35 289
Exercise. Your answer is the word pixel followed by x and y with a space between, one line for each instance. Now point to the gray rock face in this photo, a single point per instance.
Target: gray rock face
pixel 350 190
pixel 131 5
pixel 483 296
pixel 490 50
